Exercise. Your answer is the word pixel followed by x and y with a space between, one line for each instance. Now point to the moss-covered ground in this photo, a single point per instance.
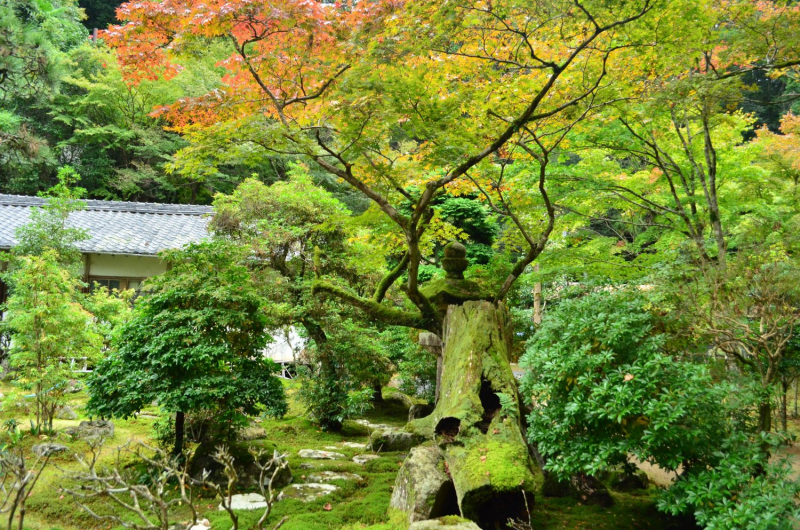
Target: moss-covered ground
pixel 354 506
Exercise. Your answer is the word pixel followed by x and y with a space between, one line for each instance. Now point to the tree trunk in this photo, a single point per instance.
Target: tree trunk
pixel 765 416
pixel 476 421
pixel 784 399
pixel 796 384
pixel 180 421
pixel 377 393
pixel 537 299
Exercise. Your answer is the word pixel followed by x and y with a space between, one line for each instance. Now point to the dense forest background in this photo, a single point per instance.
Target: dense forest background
pixel 63 101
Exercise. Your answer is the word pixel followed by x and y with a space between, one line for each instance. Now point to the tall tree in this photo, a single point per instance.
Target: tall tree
pixel 194 343
pixel 49 328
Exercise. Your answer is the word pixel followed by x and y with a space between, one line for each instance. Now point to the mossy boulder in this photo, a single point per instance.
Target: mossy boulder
pixel 244 462
pixel 388 440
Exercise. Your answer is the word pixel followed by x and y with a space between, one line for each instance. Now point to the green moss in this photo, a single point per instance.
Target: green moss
pixel 444 291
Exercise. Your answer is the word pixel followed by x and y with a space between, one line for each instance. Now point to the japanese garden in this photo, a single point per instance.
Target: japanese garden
pixel 399 264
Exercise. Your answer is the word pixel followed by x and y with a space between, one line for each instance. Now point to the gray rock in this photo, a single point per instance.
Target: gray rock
pixel 310 465
pixel 327 476
pixel 422 485
pixel 320 455
pixel 445 523
pixel 48 449
pixel 91 429
pixel 247 501
pixel 394 440
pixel 66 413
pixel 307 492
pixel 363 459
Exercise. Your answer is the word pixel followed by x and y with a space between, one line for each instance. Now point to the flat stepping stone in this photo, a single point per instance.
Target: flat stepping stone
pixel 331 447
pixel 310 465
pixel 247 501
pixel 307 492
pixel 354 445
pixel 320 455
pixel 363 459
pixel 327 476
pixel 202 524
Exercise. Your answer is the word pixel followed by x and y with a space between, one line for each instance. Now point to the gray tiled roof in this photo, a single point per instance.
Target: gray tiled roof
pixel 133 228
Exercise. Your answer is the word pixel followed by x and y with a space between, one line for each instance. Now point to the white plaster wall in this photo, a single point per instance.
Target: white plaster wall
pixel 125 266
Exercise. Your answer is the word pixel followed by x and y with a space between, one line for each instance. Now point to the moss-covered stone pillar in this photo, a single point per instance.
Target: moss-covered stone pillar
pixel 476 421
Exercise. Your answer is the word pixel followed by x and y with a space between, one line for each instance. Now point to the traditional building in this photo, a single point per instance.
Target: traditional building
pixel 124 237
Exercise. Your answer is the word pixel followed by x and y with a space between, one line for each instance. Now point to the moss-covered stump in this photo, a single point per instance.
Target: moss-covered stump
pixel 476 420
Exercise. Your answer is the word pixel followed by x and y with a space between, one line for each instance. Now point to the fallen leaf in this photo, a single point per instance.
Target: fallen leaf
pixel 327 507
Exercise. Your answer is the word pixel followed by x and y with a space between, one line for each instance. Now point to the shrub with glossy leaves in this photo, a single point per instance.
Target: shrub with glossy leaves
pixel 743 489
pixel 602 388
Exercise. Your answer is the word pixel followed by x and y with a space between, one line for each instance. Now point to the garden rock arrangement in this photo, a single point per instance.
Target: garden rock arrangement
pixel 307 492
pixel 316 454
pixel 91 429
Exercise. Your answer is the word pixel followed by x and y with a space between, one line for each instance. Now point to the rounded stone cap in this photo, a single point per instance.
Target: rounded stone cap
pixel 454 249
pixel 455 260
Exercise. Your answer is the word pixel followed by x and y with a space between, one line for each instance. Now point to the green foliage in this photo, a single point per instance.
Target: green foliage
pixel 48 229
pixel 110 309
pixel 48 328
pixel 328 400
pixel 416 366
pixel 602 388
pixel 297 231
pixel 34 36
pixel 194 343
pixel 744 489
